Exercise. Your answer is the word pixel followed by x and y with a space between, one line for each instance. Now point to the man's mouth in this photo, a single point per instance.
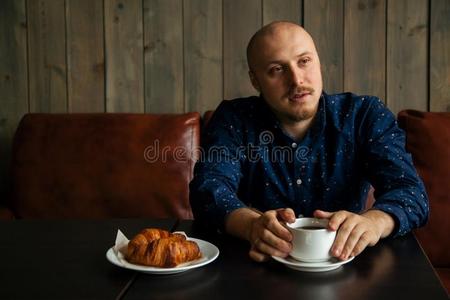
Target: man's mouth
pixel 299 96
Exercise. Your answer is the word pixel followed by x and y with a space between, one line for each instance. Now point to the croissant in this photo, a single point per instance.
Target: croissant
pixel 160 248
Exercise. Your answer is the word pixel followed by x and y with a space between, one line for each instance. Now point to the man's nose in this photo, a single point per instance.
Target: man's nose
pixel 297 76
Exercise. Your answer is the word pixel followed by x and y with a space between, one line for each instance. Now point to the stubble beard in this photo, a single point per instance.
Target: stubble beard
pixel 303 115
pixel 305 112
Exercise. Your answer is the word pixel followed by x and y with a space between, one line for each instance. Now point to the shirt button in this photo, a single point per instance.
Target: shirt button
pixel 299 181
pixel 294 145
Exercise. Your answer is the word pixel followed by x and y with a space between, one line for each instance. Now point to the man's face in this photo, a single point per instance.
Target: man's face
pixel 285 68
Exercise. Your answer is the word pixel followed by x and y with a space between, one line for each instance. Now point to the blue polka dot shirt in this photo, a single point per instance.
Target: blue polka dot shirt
pixel 247 160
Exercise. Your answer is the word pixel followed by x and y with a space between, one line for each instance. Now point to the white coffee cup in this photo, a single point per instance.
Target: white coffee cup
pixel 311 240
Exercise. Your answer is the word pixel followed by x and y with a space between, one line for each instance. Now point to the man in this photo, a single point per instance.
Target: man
pixel 296 150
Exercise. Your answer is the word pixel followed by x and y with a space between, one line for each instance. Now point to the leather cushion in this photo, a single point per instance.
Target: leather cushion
pixel 207 116
pixel 428 140
pixel 104 165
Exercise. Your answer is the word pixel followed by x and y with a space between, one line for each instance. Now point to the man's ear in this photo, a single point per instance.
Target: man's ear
pixel 254 81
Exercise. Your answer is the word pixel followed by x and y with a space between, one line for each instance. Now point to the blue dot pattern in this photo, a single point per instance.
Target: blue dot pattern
pixel 249 161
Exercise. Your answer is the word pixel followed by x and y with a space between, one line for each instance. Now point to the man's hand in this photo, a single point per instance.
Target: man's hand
pixel 356 232
pixel 264 231
pixel 269 237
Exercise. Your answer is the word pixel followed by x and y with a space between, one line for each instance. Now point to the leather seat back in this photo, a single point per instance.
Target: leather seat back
pixel 428 140
pixel 104 165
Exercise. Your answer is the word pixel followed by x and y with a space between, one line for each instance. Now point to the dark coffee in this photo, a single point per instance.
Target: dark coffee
pixel 310 227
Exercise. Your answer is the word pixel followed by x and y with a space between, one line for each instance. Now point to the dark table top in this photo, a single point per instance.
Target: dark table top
pixel 64 259
pixel 393 269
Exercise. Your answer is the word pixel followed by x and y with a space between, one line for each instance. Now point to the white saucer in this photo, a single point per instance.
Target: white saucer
pixel 208 250
pixel 328 265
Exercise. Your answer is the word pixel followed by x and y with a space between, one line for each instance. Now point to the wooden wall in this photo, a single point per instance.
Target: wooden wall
pixel 175 56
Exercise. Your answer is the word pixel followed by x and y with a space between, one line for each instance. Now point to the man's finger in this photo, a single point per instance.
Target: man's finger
pixel 337 219
pixel 274 226
pixel 257 256
pixel 275 242
pixel 321 214
pixel 363 241
pixel 286 215
pixel 341 238
pixel 267 249
pixel 352 240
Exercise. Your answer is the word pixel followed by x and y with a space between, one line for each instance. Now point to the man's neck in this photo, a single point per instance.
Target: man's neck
pixel 297 130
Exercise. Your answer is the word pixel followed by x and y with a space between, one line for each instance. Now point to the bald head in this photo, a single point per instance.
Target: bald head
pixel 272 32
pixel 285 70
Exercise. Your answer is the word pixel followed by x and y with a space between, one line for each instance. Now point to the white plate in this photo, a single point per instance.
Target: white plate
pixel 312 267
pixel 208 250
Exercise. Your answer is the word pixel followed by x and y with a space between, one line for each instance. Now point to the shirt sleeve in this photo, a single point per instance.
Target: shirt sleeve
pixel 217 174
pixel 389 168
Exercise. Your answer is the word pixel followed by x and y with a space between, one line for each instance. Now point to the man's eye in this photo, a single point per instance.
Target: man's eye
pixel 277 69
pixel 305 61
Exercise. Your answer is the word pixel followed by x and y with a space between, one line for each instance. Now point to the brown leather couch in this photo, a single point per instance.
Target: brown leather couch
pixel 103 165
pixel 109 165
pixel 428 140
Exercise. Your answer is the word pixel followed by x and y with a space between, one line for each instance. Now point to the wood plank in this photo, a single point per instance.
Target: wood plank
pixel 407 55
pixel 365 47
pixel 241 20
pixel 47 56
pixel 124 56
pixel 203 71
pixel 13 79
pixel 440 55
pixel 282 10
pixel 163 46
pixel 324 20
pixel 85 56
